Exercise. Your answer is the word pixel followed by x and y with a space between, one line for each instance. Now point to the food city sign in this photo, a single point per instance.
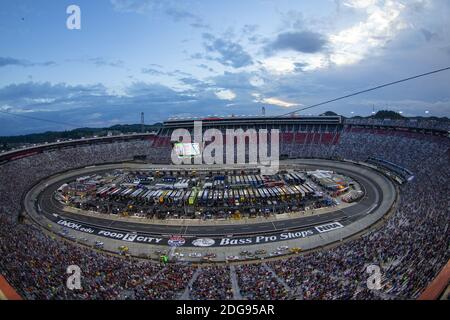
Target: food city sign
pixel 111 234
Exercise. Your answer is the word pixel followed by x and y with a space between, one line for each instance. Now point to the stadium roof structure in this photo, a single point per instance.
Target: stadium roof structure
pixel 253 120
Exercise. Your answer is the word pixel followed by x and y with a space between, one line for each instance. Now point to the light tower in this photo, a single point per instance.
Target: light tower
pixel 142 122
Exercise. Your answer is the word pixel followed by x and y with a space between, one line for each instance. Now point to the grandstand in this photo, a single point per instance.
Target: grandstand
pixel 411 247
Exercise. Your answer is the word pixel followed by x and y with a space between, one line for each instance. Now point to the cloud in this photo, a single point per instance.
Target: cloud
pixel 8 61
pixel 75 104
pixel 168 7
pixel 225 94
pixel 300 41
pixel 183 15
pixel 204 66
pixel 229 53
pixel 279 65
pixel 159 72
pixel 428 34
pixel 249 29
pixel 100 62
pixel 234 80
pixel 152 71
pixel 382 23
pixel 191 81
pixel 39 90
pixel 274 101
pixel 137 6
pixel 371 26
pixel 360 4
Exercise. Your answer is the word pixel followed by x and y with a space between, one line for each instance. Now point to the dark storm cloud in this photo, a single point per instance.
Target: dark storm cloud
pixel 301 41
pixel 25 93
pixel 93 106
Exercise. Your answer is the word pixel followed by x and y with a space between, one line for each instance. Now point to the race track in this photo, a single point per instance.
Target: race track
pixel 39 201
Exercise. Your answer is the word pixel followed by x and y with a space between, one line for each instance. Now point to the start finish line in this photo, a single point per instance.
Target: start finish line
pixel 180 241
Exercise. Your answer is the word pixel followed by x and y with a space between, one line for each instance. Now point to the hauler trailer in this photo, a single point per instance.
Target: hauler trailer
pixel 115 192
pixel 308 191
pixel 291 191
pixel 287 190
pixel 126 192
pixel 270 192
pixel 136 192
pixel 187 195
pixel 168 196
pixel 150 194
pixel 241 195
pixel 308 187
pixel 284 195
pixel 173 195
pixel 143 194
pixel 251 193
pixel 210 195
pixel 100 191
pixel 205 196
pixel 261 192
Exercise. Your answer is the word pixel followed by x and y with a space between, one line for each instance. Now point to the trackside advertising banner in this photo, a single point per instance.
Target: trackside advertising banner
pixel 179 241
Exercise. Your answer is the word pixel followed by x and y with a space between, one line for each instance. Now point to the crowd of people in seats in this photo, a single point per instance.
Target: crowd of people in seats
pixel 212 283
pixel 409 123
pixel 256 282
pixel 410 248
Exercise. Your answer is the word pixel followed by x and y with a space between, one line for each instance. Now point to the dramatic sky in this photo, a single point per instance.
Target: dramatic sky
pixel 217 57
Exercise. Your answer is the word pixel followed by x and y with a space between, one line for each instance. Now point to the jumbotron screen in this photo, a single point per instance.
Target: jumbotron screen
pixel 187 150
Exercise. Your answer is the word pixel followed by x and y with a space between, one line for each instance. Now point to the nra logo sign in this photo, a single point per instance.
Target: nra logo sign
pixel 329 227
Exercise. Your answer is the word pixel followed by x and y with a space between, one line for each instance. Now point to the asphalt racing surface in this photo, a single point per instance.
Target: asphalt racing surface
pixel 159 234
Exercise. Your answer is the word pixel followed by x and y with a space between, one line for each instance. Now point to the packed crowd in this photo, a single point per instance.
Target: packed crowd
pixel 410 248
pixel 212 283
pixel 256 282
pixel 411 123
